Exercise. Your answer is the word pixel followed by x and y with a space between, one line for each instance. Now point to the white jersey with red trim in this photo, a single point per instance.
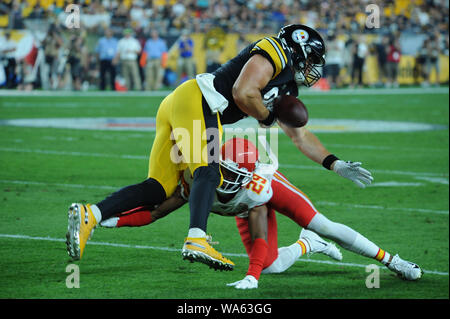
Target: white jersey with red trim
pixel 256 193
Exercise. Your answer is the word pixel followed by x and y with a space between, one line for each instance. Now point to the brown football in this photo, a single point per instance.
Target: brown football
pixel 291 111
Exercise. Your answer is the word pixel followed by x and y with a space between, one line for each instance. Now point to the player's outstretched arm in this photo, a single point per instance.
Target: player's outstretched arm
pixel 310 145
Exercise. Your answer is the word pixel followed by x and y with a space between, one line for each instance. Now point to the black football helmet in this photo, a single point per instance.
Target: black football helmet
pixel 308 52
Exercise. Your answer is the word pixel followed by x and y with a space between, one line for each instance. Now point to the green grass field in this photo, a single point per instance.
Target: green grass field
pixel 44 170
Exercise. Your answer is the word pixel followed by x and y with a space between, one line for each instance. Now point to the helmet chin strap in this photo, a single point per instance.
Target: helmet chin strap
pixel 299 77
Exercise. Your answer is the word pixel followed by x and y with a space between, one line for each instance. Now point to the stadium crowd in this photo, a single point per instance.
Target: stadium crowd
pixel 132 38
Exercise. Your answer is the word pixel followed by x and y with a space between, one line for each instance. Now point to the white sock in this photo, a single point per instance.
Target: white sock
pixel 196 233
pixel 287 256
pixel 343 235
pixel 97 214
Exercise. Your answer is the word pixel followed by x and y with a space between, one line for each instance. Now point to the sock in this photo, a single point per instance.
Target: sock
pixel 287 256
pixel 257 256
pixel 304 245
pixel 136 219
pixel 382 256
pixel 97 213
pixel 345 236
pixel 196 233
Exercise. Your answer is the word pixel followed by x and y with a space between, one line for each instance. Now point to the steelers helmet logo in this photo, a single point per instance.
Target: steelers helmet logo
pixel 300 36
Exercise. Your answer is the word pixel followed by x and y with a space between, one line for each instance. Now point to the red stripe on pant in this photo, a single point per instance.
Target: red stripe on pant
pixel 137 217
pixel 290 201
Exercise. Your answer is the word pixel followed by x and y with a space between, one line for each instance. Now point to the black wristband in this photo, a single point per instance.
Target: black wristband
pixel 269 120
pixel 329 160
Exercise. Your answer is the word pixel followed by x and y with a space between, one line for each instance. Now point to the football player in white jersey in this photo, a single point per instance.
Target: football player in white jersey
pixel 253 192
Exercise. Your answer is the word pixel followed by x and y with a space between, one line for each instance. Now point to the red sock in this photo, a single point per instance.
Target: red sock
pixel 257 256
pixel 136 217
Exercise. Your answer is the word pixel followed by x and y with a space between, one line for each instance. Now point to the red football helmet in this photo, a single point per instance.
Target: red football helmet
pixel 238 160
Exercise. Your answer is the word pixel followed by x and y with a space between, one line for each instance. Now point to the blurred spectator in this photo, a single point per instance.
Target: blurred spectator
pixel 106 50
pixel 25 76
pixel 432 63
pixel 409 19
pixel 420 70
pixel 393 59
pixel 335 60
pixel 120 16
pixel 75 54
pixel 360 51
pixel 15 16
pixel 128 49
pixel 154 49
pixel 348 56
pixel 186 63
pixel 51 45
pixel 381 48
pixel 7 57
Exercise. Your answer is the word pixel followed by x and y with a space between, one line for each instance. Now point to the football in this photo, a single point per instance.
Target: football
pixel 291 111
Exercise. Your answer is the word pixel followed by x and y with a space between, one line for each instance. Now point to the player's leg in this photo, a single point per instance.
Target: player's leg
pixel 137 217
pixel 353 241
pixel 291 202
pixel 82 219
pixel 162 178
pixel 316 223
pixel 197 132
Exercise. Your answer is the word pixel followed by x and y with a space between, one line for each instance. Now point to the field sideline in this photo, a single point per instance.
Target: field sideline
pixel 45 168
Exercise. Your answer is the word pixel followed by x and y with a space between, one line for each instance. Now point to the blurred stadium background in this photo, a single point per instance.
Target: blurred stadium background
pixel 41 48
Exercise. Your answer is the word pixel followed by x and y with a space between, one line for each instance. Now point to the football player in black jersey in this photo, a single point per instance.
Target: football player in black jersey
pixel 189 129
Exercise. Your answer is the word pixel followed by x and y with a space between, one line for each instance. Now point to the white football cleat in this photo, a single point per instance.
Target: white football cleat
pixel 249 282
pixel 405 269
pixel 318 245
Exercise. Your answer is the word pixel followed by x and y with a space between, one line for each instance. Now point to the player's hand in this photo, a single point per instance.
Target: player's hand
pixel 354 172
pixel 249 282
pixel 269 121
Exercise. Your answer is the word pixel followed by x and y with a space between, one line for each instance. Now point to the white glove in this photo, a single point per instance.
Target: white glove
pixel 354 172
pixel 249 282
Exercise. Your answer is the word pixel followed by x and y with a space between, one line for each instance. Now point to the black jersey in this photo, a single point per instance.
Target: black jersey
pixel 282 81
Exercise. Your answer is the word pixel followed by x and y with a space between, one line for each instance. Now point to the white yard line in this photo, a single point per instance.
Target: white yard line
pixel 25 237
pixel 142 157
pixel 324 203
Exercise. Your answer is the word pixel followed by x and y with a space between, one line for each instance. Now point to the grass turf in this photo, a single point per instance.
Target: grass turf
pixel 43 170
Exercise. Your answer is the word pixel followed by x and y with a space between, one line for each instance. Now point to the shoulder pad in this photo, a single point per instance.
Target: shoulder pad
pixel 272 50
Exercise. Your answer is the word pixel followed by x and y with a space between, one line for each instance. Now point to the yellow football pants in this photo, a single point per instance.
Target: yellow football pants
pixel 181 136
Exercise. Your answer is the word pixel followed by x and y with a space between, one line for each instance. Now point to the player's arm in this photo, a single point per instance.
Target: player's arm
pixel 254 76
pixel 308 143
pixel 257 221
pixel 169 205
